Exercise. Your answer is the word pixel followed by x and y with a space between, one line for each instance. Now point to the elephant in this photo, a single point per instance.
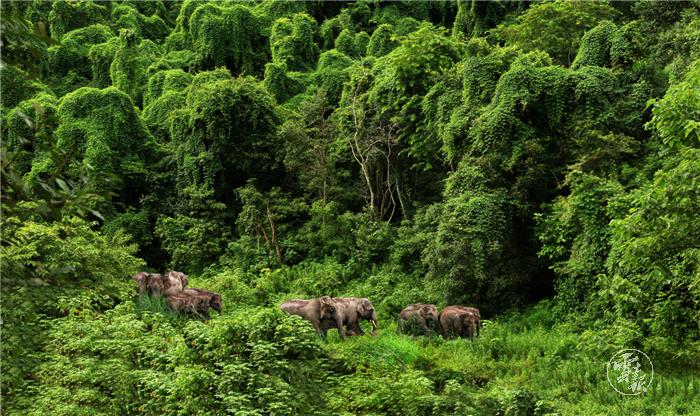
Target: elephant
pixel 186 303
pixel 477 316
pixel 317 311
pixel 174 282
pixel 419 317
pixel 456 321
pixel 151 283
pixel 354 309
pixel 204 300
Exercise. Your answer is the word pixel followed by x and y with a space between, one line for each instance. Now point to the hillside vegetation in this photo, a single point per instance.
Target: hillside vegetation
pixel 539 161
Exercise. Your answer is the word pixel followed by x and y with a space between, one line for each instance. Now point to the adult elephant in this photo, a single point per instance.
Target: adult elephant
pixel 355 309
pixel 317 311
pixel 418 318
pixel 204 300
pixel 152 284
pixel 477 316
pixel 455 321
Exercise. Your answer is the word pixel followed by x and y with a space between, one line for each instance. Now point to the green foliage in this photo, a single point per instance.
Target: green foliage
pixel 128 69
pixel 228 35
pixel 284 85
pixel 179 234
pixel 382 41
pixel 66 16
pixel 677 115
pixel 475 17
pixel 575 237
pixel 70 60
pixel 163 82
pixel 482 153
pixel 403 77
pixel 17 86
pixel 292 42
pixel 126 16
pixel 52 270
pixel 331 73
pixel 28 129
pixel 470 249
pixel 217 108
pixel 24 44
pixel 103 129
pixel 267 216
pixel 345 43
pixel 166 92
pixel 555 27
pixel 101 56
pixel 654 258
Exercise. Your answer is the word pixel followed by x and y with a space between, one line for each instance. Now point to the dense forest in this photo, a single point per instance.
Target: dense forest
pixel 539 161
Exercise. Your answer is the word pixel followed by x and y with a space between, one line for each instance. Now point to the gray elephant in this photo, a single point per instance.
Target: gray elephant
pixel 152 284
pixel 477 318
pixel 323 313
pixel 186 303
pixel 203 300
pixel 418 319
pixel 353 310
pixel 455 321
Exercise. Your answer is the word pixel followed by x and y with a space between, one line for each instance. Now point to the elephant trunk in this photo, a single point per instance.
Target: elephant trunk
pixel 373 320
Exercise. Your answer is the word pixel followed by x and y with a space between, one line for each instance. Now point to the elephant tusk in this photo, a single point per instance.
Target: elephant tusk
pixel 374 324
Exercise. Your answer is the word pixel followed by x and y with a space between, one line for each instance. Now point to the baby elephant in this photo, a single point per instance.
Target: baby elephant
pixel 203 300
pixel 418 319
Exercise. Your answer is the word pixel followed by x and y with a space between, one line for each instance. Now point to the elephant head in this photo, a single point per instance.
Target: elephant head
pixel 430 312
pixel 175 282
pixel 366 310
pixel 216 302
pixel 151 283
pixel 141 279
pixel 468 323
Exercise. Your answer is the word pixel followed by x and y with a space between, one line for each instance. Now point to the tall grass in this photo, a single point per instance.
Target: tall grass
pixel 520 367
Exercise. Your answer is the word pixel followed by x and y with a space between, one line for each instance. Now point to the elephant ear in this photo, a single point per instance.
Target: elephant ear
pixel 140 276
pixel 362 306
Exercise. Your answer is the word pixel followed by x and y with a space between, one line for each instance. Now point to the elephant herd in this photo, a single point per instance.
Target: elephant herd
pixel 453 321
pixel 324 313
pixel 345 314
pixel 178 296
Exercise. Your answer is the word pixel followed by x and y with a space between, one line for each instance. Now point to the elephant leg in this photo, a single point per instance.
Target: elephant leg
pixel 341 328
pixel 423 326
pixel 445 328
pixel 317 326
pixel 355 329
pixel 457 329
